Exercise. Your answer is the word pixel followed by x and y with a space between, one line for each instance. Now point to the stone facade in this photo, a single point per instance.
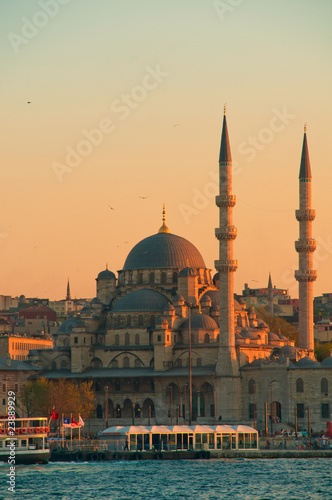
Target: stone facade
pixel 163 337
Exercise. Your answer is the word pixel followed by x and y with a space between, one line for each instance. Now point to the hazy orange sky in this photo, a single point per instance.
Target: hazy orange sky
pixel 138 89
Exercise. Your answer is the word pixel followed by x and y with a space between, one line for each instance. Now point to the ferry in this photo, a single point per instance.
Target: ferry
pixel 24 440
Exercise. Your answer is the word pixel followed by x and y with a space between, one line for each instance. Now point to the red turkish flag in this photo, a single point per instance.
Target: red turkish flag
pixel 55 415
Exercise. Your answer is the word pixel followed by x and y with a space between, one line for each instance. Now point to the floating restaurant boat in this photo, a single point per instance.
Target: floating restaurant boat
pixel 24 440
pixel 181 437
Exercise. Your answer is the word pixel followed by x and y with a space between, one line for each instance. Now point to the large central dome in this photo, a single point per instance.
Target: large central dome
pixel 164 250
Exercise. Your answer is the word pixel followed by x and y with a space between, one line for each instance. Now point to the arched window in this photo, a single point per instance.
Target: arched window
pixel 175 277
pixel 99 411
pixel 136 339
pixel 148 408
pixel 137 411
pixel 199 362
pixel 127 339
pixel 125 362
pixel 140 319
pixel 114 363
pixel 136 384
pixel 151 277
pixel 324 386
pixel 129 320
pixel 206 338
pixel 138 363
pixel 140 278
pixel 252 386
pixel 116 340
pixel 152 320
pixel 163 277
pixel 63 363
pixel 54 365
pixel 118 411
pixel 299 385
pixel 96 363
pixel 178 362
pixel 97 387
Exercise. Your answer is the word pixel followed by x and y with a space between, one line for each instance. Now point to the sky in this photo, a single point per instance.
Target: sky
pixel 104 102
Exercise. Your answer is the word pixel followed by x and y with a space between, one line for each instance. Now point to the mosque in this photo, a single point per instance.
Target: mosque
pixel 166 342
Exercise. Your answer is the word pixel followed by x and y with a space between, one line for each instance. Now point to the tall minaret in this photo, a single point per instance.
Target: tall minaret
pixel 68 291
pixel 227 364
pixel 305 246
pixel 270 296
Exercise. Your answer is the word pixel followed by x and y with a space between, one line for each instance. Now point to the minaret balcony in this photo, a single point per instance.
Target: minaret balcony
pixel 306 276
pixel 226 233
pixel 226 266
pixel 305 245
pixel 225 200
pixel 304 215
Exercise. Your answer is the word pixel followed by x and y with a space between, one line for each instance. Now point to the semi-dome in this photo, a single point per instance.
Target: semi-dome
pixel 164 251
pixel 141 300
pixel 187 271
pixel 200 322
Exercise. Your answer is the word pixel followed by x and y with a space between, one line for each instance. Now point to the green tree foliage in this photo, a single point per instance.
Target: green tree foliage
pixel 277 324
pixel 323 351
pixel 41 396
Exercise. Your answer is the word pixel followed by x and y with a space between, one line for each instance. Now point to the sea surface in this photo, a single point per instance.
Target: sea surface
pixel 238 479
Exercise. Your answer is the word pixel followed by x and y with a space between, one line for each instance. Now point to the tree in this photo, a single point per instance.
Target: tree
pixel 323 351
pixel 277 324
pixel 41 396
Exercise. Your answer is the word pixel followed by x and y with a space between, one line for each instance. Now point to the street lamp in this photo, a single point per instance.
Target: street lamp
pixel 171 389
pixel 106 406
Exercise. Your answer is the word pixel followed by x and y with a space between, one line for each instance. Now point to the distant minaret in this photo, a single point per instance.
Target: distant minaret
pixel 305 246
pixel 227 364
pixel 68 291
pixel 270 296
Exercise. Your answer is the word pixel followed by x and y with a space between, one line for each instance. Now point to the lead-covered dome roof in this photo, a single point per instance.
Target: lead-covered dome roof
pixel 141 300
pixel 164 251
pixel 200 322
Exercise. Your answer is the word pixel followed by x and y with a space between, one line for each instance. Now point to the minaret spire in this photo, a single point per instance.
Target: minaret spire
pixel 68 291
pixel 227 368
pixel 305 246
pixel 270 296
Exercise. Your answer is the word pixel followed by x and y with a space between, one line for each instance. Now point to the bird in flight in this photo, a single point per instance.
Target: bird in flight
pixel 29 102
pixel 144 197
pixel 175 125
pixel 111 207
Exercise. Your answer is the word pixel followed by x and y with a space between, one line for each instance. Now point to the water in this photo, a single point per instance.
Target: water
pixel 173 480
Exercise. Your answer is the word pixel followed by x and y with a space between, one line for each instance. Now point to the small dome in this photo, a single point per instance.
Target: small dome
pixel 95 300
pixel 187 271
pixel 213 295
pixel 273 336
pixel 169 307
pixel 262 324
pixel 306 363
pixel 106 275
pixel 288 351
pixel 141 300
pixel 68 325
pixel 216 277
pixel 200 322
pixel 206 300
pixel 178 298
pixel 327 362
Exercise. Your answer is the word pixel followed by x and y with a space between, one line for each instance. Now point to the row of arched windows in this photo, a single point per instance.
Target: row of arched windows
pixel 126 339
pixel 130 320
pixel 151 278
pixel 324 386
pixel 127 410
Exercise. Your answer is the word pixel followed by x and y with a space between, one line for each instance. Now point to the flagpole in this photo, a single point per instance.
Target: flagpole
pixel 71 432
pixel 63 436
pixel 79 431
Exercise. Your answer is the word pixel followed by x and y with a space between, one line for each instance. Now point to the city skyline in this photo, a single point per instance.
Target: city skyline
pixel 143 86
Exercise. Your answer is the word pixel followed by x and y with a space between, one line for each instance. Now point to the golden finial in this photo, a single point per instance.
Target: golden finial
pixel 106 266
pixel 188 263
pixel 305 127
pixel 164 228
pixel 225 108
pixel 199 308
